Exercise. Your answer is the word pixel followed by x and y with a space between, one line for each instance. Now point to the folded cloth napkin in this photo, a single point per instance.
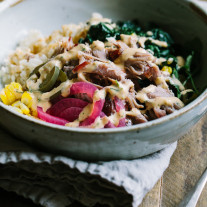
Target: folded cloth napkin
pixel 57 181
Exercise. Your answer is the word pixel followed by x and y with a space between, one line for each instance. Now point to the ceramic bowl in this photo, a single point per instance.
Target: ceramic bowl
pixel 184 20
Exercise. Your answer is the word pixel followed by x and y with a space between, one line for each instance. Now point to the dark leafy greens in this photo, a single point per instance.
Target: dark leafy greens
pixel 128 27
pixel 98 32
pixel 102 31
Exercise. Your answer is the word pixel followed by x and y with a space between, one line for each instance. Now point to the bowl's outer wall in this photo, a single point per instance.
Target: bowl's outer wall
pixel 175 17
pixel 101 146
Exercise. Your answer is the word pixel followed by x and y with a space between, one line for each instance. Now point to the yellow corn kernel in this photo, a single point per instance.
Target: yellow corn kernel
pixel 11 98
pixel 167 69
pixel 24 109
pixel 11 93
pixel 27 99
pixel 16 89
pixel 16 104
pixel 34 112
pixel 170 61
pixel 17 110
pixel 4 97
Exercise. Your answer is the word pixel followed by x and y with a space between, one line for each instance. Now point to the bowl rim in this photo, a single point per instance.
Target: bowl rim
pixel 201 98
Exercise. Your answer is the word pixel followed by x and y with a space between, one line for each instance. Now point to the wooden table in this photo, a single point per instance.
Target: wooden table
pixel 186 166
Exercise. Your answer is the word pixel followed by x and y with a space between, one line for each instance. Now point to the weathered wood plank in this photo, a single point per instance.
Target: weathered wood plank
pixel 187 165
pixel 152 199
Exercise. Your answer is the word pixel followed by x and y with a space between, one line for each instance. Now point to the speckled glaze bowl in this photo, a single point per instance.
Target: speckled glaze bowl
pixel 183 19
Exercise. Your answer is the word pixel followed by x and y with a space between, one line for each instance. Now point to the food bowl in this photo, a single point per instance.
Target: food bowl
pixel 184 20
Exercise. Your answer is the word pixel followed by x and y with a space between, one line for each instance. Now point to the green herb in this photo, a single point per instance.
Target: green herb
pixel 187 68
pixel 30 90
pixel 117 83
pixel 175 73
pixel 178 91
pixel 114 89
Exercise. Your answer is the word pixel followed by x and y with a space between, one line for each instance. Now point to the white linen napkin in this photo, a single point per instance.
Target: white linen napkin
pixel 57 181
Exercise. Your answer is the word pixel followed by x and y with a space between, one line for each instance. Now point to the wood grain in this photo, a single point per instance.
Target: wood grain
pixel 153 198
pixel 187 165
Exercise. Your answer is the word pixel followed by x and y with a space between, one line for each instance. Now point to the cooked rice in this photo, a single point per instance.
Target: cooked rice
pixel 36 49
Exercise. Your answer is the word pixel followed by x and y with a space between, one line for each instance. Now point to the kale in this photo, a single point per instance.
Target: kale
pixel 98 32
pixel 159 34
pixel 127 27
pixel 157 50
pixel 102 31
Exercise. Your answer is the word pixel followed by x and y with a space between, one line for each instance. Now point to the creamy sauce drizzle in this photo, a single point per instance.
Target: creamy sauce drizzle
pixel 142 41
pixel 157 101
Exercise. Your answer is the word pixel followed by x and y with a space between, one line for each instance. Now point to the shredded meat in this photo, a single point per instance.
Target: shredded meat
pixel 140 66
pixel 65 46
pixel 136 68
pixel 88 57
pixel 164 110
pixel 109 107
pixel 109 71
pixel 100 54
pixel 152 73
pixel 98 80
pixel 160 92
pixel 130 40
pixel 132 103
pixel 98 49
pixel 68 68
pixel 140 56
pixel 159 112
pixel 115 50
pixel 168 109
pixel 137 119
pixel 121 45
pixel 113 54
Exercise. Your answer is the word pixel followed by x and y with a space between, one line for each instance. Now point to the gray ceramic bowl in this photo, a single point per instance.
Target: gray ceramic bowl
pixel 183 19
